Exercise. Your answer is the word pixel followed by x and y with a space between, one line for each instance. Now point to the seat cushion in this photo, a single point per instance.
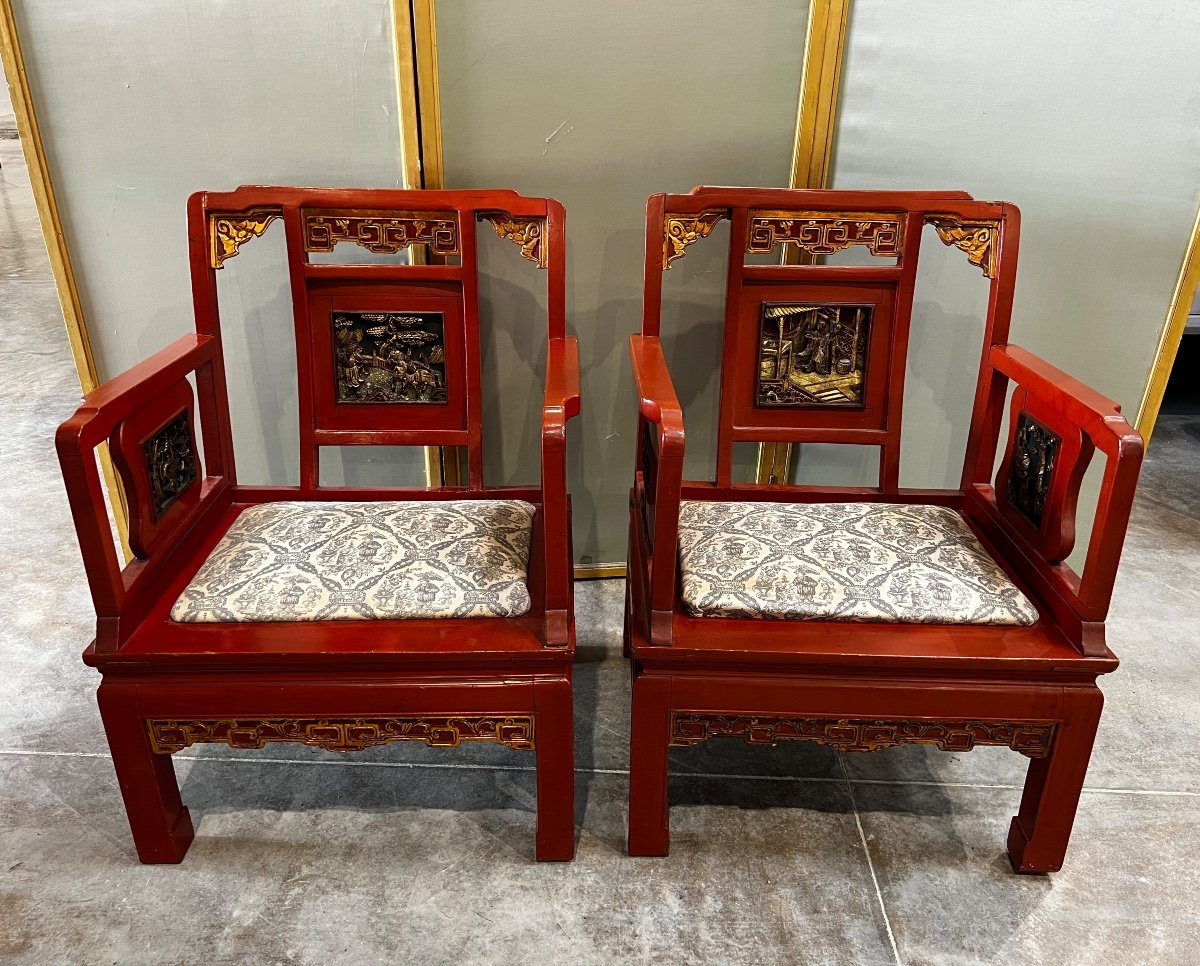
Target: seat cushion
pixel 365 561
pixel 885 562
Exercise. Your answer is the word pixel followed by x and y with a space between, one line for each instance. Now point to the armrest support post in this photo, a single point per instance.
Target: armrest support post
pixel 658 407
pixel 561 405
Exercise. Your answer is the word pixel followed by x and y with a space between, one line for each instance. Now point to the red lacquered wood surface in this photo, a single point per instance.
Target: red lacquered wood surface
pixel 854 685
pixel 332 682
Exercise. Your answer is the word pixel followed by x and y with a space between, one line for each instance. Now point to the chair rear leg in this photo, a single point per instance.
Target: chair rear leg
pixel 554 740
pixel 649 831
pixel 627 627
pixel 161 826
pixel 1038 836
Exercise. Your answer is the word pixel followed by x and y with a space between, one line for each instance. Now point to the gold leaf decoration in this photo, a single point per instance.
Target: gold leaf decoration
pixel 227 232
pixel 976 238
pixel 680 231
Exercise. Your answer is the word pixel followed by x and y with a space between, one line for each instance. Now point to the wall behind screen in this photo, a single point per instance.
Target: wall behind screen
pixel 142 102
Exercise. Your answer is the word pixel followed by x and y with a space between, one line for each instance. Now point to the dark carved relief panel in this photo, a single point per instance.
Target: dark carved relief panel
pixel 1035 450
pixel 170 462
pixel 813 355
pixel 390 357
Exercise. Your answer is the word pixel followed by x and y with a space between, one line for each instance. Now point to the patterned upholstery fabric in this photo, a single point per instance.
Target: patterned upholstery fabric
pixel 365 561
pixel 881 562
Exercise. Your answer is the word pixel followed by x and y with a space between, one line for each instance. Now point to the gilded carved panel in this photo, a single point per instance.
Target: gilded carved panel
pixel 385 232
pixel 341 734
pixel 389 357
pixel 825 232
pixel 812 355
pixel 1033 739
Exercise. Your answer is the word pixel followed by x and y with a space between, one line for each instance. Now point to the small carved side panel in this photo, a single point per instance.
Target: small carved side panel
pixel 386 232
pixel 1033 739
pixel 680 231
pixel 1035 450
pixel 341 734
pixel 813 355
pixel 825 232
pixel 389 357
pixel 525 233
pixel 170 462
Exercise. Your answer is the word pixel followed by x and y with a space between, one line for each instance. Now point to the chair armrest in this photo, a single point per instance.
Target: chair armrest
pixel 560 406
pixel 101 415
pixel 660 448
pixel 1084 419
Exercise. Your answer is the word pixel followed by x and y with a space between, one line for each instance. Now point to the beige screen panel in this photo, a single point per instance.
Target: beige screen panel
pixel 1083 114
pixel 600 105
pixel 142 102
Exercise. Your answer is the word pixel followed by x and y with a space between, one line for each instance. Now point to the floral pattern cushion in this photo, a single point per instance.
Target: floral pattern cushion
pixel 885 562
pixel 365 561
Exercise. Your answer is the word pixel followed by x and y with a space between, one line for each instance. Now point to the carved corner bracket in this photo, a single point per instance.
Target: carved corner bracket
pixel 383 232
pixel 1033 739
pixel 680 231
pixel 527 233
pixel 228 231
pixel 976 238
pixel 341 734
pixel 825 232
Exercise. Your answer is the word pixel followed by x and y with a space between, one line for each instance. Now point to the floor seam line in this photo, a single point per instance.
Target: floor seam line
pixel 862 837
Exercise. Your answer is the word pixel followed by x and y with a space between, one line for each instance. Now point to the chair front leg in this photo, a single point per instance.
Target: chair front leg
pixel 161 826
pixel 554 741
pixel 649 831
pixel 1038 836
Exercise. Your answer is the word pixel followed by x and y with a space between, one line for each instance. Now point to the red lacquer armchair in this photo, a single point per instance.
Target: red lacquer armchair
pixel 863 618
pixel 340 617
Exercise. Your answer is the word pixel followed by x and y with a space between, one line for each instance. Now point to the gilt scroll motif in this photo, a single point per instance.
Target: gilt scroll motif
pixel 227 232
pixel 976 238
pixel 1033 739
pixel 812 355
pixel 527 233
pixel 390 357
pixel 1035 450
pixel 384 232
pixel 170 459
pixel 341 734
pixel 825 232
pixel 680 231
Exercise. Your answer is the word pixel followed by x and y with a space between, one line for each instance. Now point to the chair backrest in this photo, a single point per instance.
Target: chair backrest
pixel 387 354
pixel 816 353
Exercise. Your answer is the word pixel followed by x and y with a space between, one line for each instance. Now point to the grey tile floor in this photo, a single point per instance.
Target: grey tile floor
pixel 409 855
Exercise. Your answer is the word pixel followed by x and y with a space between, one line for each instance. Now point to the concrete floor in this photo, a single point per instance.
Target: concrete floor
pixel 409 855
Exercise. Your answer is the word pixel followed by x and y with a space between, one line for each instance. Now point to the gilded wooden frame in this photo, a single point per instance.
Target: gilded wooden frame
pixel 1172 333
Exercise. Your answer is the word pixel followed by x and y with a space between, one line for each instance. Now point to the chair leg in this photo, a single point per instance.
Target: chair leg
pixel 161 826
pixel 627 628
pixel 649 831
pixel 554 739
pixel 1038 836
